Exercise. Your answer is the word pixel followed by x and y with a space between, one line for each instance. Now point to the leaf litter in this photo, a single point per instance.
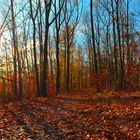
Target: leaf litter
pixel 113 116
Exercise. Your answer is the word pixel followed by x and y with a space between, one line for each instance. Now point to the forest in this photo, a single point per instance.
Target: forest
pixel 69 70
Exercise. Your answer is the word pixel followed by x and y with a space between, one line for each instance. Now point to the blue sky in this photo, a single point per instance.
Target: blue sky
pixel 134 5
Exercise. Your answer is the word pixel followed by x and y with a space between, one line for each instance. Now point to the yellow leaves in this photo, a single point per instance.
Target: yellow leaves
pixel 72 49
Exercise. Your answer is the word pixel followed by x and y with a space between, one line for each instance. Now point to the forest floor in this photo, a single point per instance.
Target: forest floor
pixel 84 116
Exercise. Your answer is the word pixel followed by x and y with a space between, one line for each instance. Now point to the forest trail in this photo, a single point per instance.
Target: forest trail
pixel 73 117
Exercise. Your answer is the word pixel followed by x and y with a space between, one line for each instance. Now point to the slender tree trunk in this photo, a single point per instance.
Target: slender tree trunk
pixel 34 48
pixel 35 60
pixel 58 64
pixel 93 43
pixel 40 39
pixel 15 49
pixel 127 40
pixel 65 57
pixel 20 94
pixel 44 75
pixel 68 59
pixel 115 45
pixel 120 49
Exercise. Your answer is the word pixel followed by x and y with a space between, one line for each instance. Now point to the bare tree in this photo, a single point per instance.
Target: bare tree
pixel 33 18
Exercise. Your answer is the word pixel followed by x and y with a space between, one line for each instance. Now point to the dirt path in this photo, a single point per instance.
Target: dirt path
pixel 72 118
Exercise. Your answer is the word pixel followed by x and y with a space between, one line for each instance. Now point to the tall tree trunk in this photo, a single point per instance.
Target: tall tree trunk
pixel 58 64
pixel 44 75
pixel 15 48
pixel 120 49
pixel 40 38
pixel 20 94
pixel 115 44
pixel 93 43
pixel 35 60
pixel 33 17
pixel 127 39
pixel 68 59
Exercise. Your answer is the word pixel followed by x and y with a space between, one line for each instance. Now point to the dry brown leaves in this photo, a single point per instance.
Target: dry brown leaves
pixel 87 116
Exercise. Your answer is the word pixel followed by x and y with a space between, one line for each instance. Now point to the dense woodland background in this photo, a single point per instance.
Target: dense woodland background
pixel 50 47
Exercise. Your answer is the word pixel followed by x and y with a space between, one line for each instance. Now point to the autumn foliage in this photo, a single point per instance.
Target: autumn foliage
pixel 69 70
